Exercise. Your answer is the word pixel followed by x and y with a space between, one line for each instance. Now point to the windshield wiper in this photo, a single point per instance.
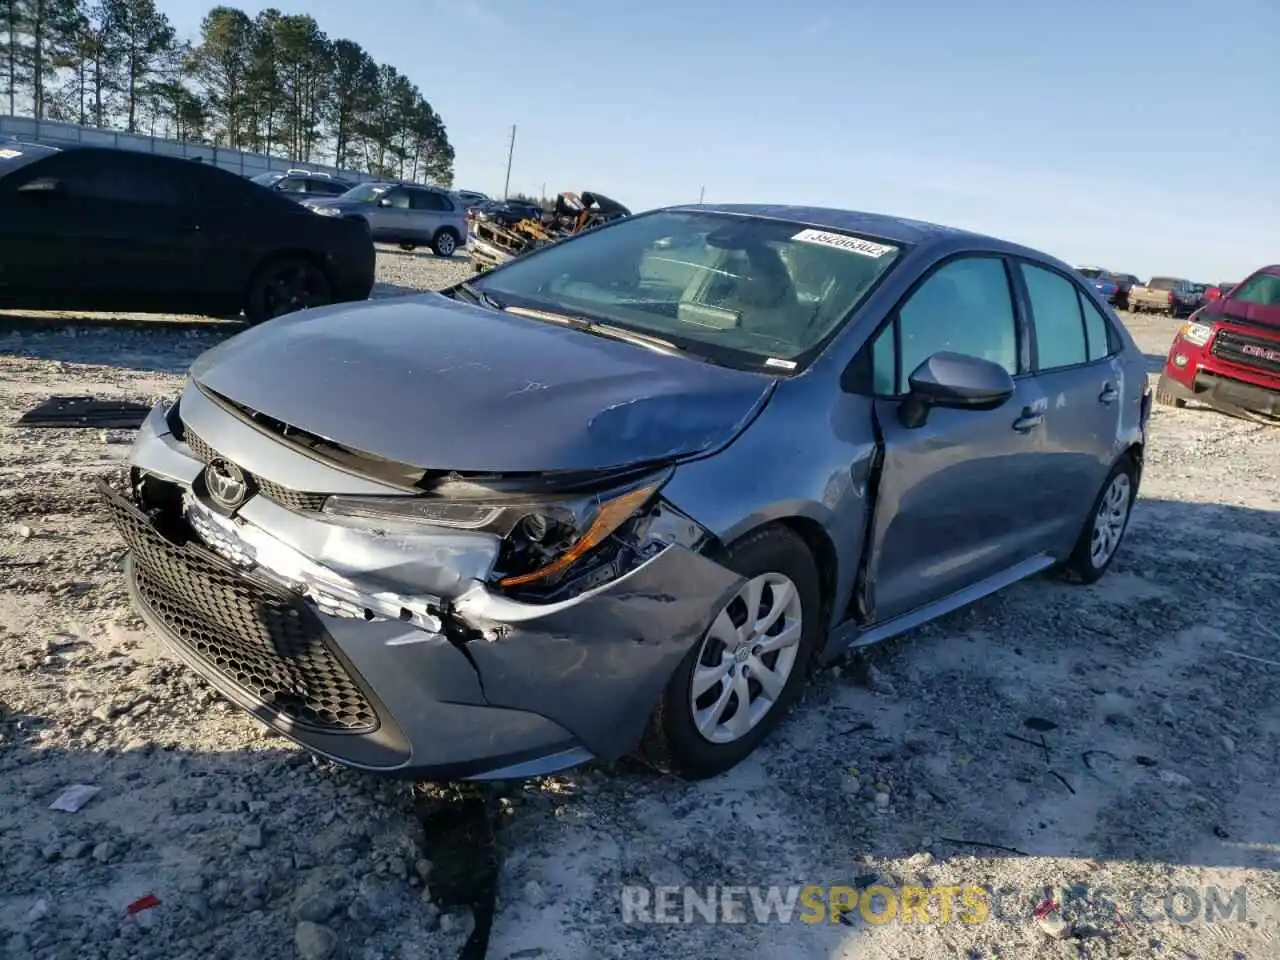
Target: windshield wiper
pixel 476 295
pixel 599 329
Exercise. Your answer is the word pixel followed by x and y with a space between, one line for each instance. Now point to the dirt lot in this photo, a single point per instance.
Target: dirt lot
pixel 1161 769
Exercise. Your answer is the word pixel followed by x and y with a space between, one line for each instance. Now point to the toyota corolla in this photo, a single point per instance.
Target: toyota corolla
pixel 627 491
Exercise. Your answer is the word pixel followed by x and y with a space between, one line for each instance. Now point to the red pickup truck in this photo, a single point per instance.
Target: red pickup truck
pixel 1227 354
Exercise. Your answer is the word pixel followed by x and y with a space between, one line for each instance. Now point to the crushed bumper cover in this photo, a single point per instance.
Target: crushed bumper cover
pixel 538 688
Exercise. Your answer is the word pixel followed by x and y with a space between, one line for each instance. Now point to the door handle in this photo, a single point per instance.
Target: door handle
pixel 1109 394
pixel 1028 421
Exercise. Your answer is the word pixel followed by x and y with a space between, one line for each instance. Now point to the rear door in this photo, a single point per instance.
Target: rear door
pixel 430 212
pixel 1075 359
pixel 959 498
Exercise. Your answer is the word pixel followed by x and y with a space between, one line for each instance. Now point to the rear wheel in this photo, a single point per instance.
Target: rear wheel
pixel 285 286
pixel 445 243
pixel 1106 525
pixel 737 683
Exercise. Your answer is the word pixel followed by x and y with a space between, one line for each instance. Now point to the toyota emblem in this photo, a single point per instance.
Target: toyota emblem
pixel 226 484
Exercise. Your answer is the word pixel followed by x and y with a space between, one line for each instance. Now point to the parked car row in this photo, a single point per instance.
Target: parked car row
pixel 1111 286
pixel 1227 354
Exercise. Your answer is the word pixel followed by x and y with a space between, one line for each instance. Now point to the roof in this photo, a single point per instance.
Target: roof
pixel 897 229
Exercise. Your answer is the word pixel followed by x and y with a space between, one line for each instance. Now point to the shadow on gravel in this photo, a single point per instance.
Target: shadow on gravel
pixel 159 350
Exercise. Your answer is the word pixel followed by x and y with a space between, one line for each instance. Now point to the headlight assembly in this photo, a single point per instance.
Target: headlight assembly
pixel 542 536
pixel 1196 334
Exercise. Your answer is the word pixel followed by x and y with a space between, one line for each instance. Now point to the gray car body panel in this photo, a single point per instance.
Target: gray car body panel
pixel 935 516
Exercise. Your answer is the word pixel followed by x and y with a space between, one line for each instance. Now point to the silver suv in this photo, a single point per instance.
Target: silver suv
pixel 409 214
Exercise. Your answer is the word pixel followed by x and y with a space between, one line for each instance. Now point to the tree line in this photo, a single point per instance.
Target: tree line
pixel 274 83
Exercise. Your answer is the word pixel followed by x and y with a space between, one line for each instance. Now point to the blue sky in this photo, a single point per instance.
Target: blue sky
pixel 1137 135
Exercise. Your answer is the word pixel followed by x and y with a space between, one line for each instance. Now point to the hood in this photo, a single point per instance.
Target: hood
pixel 1241 311
pixel 442 385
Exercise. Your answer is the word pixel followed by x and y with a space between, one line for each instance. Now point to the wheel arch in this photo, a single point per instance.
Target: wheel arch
pixel 820 545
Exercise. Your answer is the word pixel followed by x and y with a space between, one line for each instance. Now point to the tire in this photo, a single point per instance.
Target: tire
pixel 445 243
pixel 408 247
pixel 673 741
pixel 285 285
pixel 1114 504
pixel 1166 398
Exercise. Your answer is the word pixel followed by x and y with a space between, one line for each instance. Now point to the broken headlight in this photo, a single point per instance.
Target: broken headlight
pixel 542 537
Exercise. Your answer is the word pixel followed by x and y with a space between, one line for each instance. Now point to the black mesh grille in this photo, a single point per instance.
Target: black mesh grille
pixel 289 499
pixel 270 646
pixel 1251 351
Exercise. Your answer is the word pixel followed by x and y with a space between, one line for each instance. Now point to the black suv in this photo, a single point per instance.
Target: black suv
pixel 90 228
pixel 300 185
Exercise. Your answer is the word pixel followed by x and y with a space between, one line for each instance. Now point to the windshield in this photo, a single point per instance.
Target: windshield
pixel 366 192
pixel 739 290
pixel 1264 289
pixel 1091 273
pixel 267 179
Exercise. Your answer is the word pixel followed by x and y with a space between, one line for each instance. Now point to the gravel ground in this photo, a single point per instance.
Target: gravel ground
pixel 1158 768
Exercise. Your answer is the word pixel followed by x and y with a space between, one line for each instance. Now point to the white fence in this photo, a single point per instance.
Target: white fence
pixel 55 134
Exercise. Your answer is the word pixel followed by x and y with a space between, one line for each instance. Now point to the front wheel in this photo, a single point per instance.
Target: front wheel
pixel 285 286
pixel 737 683
pixel 1106 525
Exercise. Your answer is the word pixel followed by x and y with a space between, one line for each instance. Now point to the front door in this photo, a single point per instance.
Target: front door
pixel 958 497
pixel 389 217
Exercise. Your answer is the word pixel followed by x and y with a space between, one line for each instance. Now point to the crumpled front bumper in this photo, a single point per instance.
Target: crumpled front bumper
pixel 535 688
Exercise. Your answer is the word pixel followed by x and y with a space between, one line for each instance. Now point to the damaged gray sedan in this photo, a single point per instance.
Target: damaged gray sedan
pixel 627 491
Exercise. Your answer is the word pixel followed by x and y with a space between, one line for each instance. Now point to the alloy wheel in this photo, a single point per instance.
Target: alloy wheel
pixel 445 245
pixel 1109 522
pixel 746 658
pixel 294 287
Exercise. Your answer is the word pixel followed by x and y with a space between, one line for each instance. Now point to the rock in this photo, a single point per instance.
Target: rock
pixel 1228 744
pixel 104 851
pixel 25 532
pixel 1174 779
pixel 918 861
pixel 258 806
pixel 882 801
pixel 250 838
pixel 76 849
pixel 51 852
pixel 534 893
pixel 876 681
pixel 450 922
pixel 314 941
pixel 1053 926
pixel 319 907
pixel 1167 715
pixel 850 785
pixel 423 868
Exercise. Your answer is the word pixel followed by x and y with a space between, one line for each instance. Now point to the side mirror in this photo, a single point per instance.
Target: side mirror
pixel 955 381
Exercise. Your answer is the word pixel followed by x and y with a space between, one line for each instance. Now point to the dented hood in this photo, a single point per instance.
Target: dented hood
pixel 442 385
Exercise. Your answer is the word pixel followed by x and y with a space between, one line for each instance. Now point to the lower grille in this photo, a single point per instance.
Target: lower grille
pixel 289 499
pixel 269 646
pixel 1247 351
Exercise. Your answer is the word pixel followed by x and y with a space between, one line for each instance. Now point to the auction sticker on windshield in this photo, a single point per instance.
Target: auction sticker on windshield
pixel 843 241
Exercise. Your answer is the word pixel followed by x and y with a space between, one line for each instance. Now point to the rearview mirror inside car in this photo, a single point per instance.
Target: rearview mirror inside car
pixel 956 381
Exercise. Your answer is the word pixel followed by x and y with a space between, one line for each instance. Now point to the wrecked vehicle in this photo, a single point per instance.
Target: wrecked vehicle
pixel 627 490
pixel 496 240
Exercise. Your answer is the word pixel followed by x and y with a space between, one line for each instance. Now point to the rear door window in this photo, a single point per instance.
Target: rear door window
pixel 429 200
pixel 1059 322
pixel 1100 339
